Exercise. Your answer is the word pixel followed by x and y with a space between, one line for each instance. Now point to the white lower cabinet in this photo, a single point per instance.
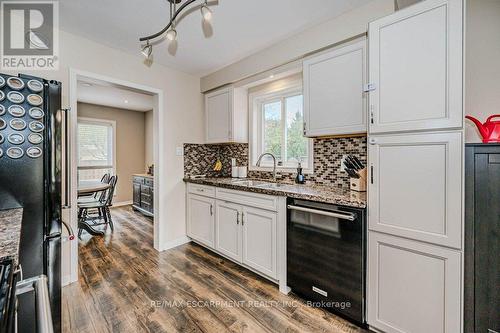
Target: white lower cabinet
pixel 201 218
pixel 259 240
pixel 227 230
pixel 239 225
pixel 413 287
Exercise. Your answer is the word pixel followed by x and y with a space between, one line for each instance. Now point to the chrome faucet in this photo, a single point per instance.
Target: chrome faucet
pixel 274 163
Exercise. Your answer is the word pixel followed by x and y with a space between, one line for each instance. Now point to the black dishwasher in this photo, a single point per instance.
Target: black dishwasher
pixel 326 247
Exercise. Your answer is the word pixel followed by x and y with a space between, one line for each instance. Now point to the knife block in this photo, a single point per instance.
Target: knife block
pixel 359 184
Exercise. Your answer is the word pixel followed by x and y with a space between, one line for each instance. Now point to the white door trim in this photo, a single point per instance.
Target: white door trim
pixel 160 227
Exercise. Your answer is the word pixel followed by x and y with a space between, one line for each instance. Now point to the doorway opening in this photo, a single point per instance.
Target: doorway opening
pixel 116 158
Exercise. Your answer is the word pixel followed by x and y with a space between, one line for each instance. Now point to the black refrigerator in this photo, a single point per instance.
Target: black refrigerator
pixel 31 161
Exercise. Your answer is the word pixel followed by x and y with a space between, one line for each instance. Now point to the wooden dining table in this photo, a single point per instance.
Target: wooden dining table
pixel 90 187
pixel 87 188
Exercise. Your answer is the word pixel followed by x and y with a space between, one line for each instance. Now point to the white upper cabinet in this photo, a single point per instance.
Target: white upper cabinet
pixel 415 186
pixel 334 101
pixel 415 68
pixel 226 116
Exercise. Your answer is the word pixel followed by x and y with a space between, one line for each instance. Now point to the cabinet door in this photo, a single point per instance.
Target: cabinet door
pixel 416 68
pixel 218 106
pixel 415 186
pixel 412 286
pixel 228 230
pixel 334 101
pixel 200 217
pixel 259 240
pixel 136 194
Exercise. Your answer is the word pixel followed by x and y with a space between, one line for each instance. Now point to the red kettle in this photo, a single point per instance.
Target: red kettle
pixel 490 130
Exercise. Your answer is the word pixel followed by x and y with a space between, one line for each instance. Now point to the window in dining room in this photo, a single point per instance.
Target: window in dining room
pixel 96 148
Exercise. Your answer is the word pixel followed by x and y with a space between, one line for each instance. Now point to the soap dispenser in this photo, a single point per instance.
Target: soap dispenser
pixel 300 179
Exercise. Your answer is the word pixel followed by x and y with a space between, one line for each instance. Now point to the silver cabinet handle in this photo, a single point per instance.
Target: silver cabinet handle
pixel 345 216
pixel 242 218
pixel 237 217
pixel 38 284
pixel 211 210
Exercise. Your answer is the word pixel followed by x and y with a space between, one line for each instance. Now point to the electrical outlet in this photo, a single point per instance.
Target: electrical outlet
pixel 342 166
pixel 179 151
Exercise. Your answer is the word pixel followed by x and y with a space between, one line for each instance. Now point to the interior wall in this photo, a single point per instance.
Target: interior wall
pixel 130 143
pixel 182 117
pixel 336 30
pixel 148 132
pixel 482 65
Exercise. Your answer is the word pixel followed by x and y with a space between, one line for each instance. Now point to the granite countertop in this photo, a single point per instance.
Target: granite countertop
pixel 10 233
pixel 319 193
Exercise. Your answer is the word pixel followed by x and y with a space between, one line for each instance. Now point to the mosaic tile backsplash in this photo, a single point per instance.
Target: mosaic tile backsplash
pixel 200 158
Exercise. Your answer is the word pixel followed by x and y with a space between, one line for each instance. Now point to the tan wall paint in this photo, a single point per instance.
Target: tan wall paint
pixel 482 65
pixel 148 131
pixel 343 27
pixel 130 143
pixel 183 115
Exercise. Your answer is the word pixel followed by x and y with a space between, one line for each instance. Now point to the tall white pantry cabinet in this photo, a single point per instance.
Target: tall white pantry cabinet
pixel 415 186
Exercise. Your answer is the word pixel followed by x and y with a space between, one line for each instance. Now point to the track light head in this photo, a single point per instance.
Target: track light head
pixel 172 34
pixel 206 13
pixel 147 50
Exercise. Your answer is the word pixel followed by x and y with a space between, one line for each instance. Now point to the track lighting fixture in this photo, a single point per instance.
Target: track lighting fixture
pixel 169 31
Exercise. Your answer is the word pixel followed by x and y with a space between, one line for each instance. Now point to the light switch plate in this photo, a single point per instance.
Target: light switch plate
pixel 179 151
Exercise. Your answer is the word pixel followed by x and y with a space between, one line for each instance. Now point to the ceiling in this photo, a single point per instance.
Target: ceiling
pixel 103 93
pixel 240 27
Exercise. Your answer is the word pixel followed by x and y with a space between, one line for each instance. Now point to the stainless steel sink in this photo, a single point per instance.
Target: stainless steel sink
pixel 249 182
pixel 271 185
pixel 258 183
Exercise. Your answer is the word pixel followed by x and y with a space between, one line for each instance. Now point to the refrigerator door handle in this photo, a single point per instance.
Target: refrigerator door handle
pixel 67 161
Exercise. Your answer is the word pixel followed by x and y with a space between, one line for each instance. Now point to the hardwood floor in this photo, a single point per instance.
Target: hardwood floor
pixel 126 286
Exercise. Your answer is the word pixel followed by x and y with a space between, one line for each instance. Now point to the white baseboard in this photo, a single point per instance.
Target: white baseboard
pixel 123 203
pixel 176 242
pixel 68 279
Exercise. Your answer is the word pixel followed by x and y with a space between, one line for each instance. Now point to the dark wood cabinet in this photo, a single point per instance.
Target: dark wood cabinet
pixel 482 238
pixel 143 194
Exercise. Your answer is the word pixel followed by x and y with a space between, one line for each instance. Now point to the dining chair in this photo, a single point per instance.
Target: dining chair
pixel 93 196
pixel 102 206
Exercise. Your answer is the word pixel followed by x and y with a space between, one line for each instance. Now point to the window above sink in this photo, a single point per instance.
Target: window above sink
pixel 276 126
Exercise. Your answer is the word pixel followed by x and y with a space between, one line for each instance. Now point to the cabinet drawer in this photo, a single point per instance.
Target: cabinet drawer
pixel 248 198
pixel 148 181
pixel 147 207
pixel 208 191
pixel 145 190
pixel 146 198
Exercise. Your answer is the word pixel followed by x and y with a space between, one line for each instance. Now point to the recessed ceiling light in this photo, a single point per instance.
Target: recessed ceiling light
pixel 271 76
pixel 86 84
pixel 126 101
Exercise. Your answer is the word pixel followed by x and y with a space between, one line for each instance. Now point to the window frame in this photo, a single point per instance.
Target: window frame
pixel 97 121
pixel 256 118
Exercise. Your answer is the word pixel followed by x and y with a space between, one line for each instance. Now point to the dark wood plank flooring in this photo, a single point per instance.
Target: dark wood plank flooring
pixel 126 286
